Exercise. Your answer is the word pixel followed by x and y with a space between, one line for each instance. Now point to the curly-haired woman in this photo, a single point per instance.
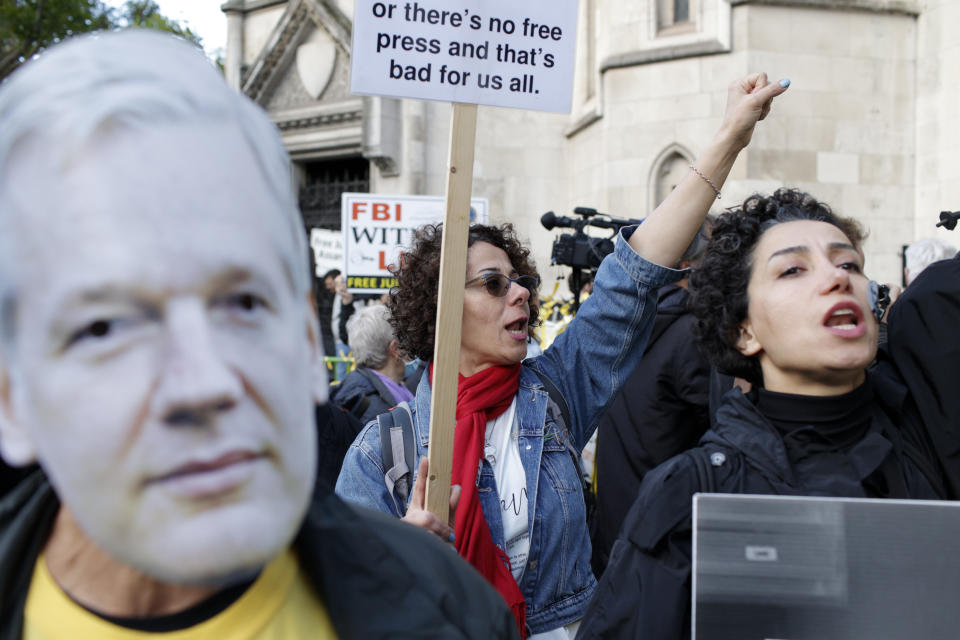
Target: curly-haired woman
pixel 781 300
pixel 521 520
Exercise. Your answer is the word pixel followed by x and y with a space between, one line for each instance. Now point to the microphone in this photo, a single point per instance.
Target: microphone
pixel 549 220
pixel 948 220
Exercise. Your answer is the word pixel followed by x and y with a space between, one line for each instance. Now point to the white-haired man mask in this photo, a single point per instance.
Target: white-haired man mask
pixel 159 357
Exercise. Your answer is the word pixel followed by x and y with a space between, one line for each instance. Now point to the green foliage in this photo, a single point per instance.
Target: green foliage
pixel 29 26
pixel 146 14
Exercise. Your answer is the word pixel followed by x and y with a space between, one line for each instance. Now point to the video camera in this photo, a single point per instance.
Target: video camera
pixel 948 220
pixel 577 249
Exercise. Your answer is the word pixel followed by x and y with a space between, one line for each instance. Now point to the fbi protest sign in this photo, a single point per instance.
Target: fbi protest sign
pixel 493 52
pixel 377 227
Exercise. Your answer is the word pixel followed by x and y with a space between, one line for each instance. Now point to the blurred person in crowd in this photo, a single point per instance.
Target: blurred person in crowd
pixel 924 252
pixel 160 359
pixel 330 280
pixel 376 384
pixel 351 303
pixel 335 283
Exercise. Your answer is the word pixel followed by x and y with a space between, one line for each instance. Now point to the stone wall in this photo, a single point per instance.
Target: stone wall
pixel 938 117
pixel 867 125
pixel 845 131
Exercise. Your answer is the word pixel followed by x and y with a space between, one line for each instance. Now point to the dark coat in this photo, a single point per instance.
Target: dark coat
pixel 378 577
pixel 336 431
pixel 923 344
pixel 11 476
pixel 659 412
pixel 645 592
pixel 364 395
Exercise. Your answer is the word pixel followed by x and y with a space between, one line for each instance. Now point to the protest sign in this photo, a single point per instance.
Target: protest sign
pixel 493 52
pixel 327 247
pixel 469 52
pixel 377 227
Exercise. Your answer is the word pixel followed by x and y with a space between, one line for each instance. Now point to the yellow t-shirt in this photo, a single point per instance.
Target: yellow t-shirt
pixel 279 605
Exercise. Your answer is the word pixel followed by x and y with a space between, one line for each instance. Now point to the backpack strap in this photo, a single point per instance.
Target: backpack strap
pixel 377 383
pixel 558 400
pixel 358 405
pixel 397 451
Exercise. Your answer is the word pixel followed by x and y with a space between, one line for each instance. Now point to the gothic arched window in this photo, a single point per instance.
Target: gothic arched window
pixel 669 168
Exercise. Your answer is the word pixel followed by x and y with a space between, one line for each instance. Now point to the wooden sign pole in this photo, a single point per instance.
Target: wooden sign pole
pixel 453 270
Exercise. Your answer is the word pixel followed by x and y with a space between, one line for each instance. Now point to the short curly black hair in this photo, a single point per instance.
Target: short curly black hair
pixel 413 302
pixel 718 286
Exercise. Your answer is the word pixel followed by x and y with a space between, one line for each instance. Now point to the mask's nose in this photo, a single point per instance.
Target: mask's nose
pixel 195 381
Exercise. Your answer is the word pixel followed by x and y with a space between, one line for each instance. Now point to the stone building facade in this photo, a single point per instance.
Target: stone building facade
pixel 869 124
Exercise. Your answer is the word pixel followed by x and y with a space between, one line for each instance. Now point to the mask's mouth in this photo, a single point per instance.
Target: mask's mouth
pixel 207 466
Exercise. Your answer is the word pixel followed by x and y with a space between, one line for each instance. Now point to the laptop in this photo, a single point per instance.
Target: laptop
pixel 803 568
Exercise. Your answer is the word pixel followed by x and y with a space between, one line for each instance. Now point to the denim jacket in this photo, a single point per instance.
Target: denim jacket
pixel 587 362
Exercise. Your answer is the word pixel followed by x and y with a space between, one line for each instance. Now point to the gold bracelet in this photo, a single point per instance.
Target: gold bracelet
pixel 707 180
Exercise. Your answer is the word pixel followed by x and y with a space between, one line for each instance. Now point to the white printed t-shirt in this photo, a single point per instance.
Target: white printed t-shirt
pixel 502 451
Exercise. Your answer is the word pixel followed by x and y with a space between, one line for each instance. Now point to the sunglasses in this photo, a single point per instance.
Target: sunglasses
pixel 498 284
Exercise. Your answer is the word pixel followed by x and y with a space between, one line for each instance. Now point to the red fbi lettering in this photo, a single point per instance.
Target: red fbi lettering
pixel 378 211
pixel 358 208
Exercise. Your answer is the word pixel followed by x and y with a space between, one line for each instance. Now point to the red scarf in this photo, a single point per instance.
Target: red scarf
pixel 480 398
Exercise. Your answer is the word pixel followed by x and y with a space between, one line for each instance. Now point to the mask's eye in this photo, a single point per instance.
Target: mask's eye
pixel 246 301
pixel 95 330
pixel 242 306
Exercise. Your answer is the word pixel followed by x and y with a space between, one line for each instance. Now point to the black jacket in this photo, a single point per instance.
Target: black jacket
pixel 11 476
pixel 923 344
pixel 336 431
pixel 659 412
pixel 364 395
pixel 378 577
pixel 645 592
